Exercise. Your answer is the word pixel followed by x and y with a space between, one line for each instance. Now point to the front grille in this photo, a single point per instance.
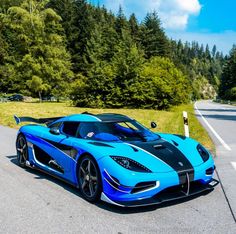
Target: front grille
pixel 179 191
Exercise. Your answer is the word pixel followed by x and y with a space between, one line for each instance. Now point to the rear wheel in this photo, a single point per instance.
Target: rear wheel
pixel 22 150
pixel 89 178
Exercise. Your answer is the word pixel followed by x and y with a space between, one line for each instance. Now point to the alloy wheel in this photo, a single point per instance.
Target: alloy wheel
pixel 22 151
pixel 88 178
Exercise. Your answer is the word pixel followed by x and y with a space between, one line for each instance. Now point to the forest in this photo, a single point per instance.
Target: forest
pixel 73 49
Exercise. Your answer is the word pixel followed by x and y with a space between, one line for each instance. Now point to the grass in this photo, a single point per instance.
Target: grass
pixel 168 121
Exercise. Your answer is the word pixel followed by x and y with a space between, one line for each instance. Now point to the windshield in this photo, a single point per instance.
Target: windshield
pixel 116 131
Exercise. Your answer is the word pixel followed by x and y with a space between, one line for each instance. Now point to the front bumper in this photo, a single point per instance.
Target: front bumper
pixel 167 195
pixel 126 188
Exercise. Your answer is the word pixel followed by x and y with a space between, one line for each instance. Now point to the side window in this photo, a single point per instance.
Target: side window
pixel 70 128
pixel 87 130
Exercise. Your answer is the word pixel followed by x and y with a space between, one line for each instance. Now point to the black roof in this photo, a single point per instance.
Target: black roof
pixel 111 117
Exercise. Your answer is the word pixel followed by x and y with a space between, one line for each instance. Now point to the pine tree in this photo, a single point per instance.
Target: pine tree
pixel 154 40
pixel 121 22
pixel 66 10
pixel 207 52
pixel 228 80
pixel 214 50
pixel 78 22
pixel 134 28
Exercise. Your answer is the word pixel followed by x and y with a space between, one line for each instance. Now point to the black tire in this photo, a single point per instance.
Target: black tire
pixel 89 178
pixel 22 150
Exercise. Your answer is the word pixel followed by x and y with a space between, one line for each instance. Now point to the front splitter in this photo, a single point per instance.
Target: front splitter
pixel 167 195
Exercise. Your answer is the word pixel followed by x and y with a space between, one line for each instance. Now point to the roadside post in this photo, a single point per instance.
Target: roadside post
pixel 186 127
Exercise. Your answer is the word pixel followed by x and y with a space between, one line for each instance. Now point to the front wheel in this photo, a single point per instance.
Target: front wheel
pixel 22 150
pixel 89 179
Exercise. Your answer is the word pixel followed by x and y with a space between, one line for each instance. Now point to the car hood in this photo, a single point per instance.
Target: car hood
pixel 159 156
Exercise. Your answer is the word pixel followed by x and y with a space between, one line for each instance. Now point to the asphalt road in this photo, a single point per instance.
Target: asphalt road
pixel 220 122
pixel 32 202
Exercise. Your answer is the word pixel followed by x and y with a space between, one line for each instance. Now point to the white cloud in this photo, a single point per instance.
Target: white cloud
pixel 189 6
pixel 173 13
pixel 223 40
pixel 174 21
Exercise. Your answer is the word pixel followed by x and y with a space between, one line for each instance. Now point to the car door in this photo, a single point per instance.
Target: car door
pixel 59 139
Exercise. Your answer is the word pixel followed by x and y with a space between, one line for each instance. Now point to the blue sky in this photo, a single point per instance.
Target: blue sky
pixel 205 21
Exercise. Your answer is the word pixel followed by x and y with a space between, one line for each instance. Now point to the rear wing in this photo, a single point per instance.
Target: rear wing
pixel 46 121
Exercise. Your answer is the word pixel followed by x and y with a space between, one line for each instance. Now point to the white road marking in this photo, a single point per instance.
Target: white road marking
pixel 212 129
pixel 234 165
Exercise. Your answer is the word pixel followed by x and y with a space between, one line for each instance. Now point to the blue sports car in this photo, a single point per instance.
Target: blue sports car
pixel 114 158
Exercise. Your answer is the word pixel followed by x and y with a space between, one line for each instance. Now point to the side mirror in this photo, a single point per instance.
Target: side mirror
pixel 153 125
pixel 54 131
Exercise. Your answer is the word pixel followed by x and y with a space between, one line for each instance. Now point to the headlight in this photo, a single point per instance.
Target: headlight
pixel 203 152
pixel 130 164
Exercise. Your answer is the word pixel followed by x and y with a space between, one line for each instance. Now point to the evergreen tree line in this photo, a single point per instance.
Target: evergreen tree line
pixel 227 88
pixel 70 48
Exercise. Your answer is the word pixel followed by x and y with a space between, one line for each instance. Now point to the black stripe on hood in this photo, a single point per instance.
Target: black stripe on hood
pixel 171 155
